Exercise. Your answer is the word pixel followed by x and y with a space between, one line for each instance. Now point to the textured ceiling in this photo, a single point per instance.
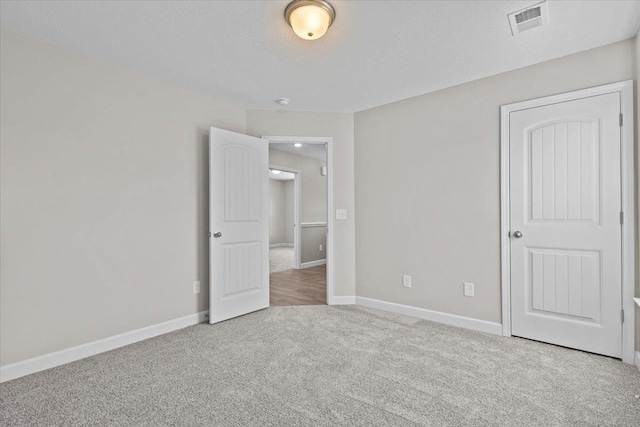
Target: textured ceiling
pixel 375 52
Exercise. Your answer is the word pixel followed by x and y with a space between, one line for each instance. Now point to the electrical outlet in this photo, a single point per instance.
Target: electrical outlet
pixel 341 214
pixel 320 248
pixel 406 281
pixel 196 287
pixel 469 289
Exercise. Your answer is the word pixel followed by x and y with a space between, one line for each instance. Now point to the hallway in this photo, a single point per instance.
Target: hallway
pixel 307 286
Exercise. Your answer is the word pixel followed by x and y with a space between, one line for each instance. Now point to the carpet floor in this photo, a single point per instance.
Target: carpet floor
pixel 325 366
pixel 280 259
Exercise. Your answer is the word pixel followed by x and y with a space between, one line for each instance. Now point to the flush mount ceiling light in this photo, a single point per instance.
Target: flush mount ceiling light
pixel 310 19
pixel 297 145
pixel 275 171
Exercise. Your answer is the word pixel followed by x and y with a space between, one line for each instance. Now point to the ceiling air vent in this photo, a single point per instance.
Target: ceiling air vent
pixel 531 17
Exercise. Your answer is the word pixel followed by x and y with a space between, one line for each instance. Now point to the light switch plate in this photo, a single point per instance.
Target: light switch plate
pixel 469 289
pixel 341 214
pixel 196 287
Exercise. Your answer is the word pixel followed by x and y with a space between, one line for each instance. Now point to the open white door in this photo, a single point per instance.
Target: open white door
pixel 238 224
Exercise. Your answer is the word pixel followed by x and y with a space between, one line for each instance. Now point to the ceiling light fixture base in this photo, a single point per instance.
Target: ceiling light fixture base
pixel 312 23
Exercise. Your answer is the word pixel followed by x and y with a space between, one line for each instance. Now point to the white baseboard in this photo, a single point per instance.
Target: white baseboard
pixel 313 263
pixel 281 245
pixel 638 360
pixel 51 360
pixel 342 300
pixel 434 316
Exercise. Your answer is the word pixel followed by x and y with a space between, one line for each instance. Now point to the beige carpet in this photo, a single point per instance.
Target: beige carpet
pixel 329 366
pixel 281 259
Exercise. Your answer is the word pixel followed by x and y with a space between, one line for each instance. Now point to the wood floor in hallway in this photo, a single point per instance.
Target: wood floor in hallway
pixel 307 286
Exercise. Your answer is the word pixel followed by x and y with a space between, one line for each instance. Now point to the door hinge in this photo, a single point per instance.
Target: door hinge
pixel 209 234
pixel 620 119
pixel 622 316
pixel 621 217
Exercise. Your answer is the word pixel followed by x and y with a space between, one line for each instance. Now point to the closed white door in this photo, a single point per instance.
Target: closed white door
pixel 238 224
pixel 565 227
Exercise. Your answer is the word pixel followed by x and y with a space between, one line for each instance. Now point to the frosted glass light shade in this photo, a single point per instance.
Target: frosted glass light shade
pixel 310 19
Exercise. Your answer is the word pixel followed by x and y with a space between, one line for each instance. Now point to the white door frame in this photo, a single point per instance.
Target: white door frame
pixel 296 210
pixel 625 89
pixel 330 248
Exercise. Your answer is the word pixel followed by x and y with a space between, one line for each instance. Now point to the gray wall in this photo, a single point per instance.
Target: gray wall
pixel 427 175
pixel 340 127
pixel 312 238
pixel 280 230
pixel 313 203
pixel 104 198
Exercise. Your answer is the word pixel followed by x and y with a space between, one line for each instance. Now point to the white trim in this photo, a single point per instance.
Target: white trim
pixel 313 263
pixel 628 226
pixel 638 360
pixel 434 316
pixel 297 242
pixel 62 357
pixel 628 187
pixel 505 257
pixel 312 224
pixel 281 245
pixel 330 248
pixel 344 300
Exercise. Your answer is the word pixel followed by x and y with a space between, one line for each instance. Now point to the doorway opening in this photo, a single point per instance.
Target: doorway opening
pixel 299 231
pixel 284 184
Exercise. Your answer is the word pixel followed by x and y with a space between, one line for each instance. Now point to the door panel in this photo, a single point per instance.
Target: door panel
pixel 242 263
pixel 564 171
pixel 565 283
pixel 565 200
pixel 239 211
pixel 242 184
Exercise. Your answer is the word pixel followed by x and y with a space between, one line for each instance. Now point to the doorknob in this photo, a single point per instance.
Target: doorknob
pixel 217 234
pixel 517 234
